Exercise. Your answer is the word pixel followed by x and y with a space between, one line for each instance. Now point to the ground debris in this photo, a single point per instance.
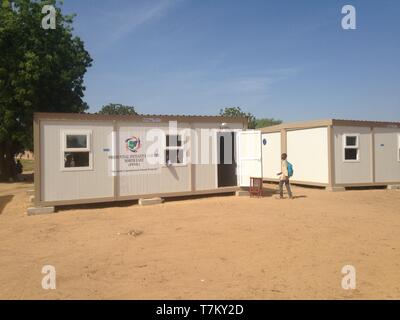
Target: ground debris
pixel 132 232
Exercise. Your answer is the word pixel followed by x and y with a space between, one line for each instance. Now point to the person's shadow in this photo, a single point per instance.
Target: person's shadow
pixel 298 197
pixel 268 192
pixel 271 192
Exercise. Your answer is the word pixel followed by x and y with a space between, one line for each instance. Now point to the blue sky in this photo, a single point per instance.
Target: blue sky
pixel 284 59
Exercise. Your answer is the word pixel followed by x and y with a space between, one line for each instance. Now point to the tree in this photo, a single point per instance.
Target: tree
pixel 237 112
pixel 267 122
pixel 118 109
pixel 40 70
pixel 253 121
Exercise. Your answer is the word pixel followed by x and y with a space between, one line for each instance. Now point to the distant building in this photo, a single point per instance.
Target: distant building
pixel 27 155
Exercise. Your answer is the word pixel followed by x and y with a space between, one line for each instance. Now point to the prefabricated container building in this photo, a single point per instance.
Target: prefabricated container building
pixel 334 153
pixel 87 158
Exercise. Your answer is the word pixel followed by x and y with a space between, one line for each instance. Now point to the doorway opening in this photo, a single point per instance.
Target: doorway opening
pixel 226 159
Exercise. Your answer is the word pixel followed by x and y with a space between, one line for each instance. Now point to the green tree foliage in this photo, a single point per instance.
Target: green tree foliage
pixel 267 122
pixel 40 70
pixel 253 122
pixel 118 109
pixel 237 112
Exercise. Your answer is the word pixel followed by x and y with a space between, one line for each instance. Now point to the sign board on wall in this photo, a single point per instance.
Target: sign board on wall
pixel 135 153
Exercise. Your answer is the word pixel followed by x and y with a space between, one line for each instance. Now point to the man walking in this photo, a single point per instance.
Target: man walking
pixel 284 177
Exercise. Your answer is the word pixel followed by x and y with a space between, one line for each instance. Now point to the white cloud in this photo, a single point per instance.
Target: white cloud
pixel 118 22
pixel 254 83
pixel 201 90
pixel 141 16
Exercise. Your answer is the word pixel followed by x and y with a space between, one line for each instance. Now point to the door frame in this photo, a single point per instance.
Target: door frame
pixel 215 155
pixel 234 154
pixel 239 158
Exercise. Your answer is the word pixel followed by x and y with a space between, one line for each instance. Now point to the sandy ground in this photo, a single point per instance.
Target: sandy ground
pixel 208 248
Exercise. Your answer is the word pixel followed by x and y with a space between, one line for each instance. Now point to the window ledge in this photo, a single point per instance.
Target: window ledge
pixel 174 165
pixel 74 169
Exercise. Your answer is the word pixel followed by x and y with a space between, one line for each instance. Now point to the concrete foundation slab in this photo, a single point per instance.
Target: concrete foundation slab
pixel 39 210
pixel 335 189
pixel 151 201
pixel 242 193
pixel 393 187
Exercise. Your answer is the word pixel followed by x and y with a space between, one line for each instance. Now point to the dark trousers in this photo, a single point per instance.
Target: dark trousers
pixel 287 183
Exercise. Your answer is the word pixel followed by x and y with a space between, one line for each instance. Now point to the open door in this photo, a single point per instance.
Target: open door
pixel 226 159
pixel 249 162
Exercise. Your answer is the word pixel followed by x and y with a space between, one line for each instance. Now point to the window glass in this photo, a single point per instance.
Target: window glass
pixel 76 141
pixel 174 141
pixel 76 159
pixel 350 154
pixel 351 141
pixel 174 156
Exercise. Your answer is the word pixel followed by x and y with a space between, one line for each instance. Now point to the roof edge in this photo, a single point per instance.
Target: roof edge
pixel 330 122
pixel 366 123
pixel 298 125
pixel 141 117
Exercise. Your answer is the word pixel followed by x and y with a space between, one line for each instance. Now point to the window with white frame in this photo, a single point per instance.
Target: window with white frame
pixel 351 151
pixel 174 150
pixel 76 150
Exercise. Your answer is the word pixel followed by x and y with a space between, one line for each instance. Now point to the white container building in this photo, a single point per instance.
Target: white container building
pixel 334 153
pixel 88 158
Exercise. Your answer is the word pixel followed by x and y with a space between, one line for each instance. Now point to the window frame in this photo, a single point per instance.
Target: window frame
pixel 398 147
pixel 182 147
pixel 356 146
pixel 80 132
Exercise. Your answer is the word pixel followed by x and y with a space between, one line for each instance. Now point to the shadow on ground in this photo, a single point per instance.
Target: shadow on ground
pixel 26 177
pixel 4 200
pixel 102 205
pixel 128 203
pixel 267 193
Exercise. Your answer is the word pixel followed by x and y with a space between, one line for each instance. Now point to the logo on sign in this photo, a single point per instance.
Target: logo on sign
pixel 133 144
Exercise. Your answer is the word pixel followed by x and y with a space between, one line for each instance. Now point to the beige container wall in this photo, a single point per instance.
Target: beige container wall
pixel 163 179
pixel 177 178
pixel 271 155
pixel 205 170
pixel 387 153
pixel 307 151
pixel 72 185
pixel 353 172
pixel 59 185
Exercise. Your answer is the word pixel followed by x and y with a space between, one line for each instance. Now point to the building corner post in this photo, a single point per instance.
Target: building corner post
pixel 115 160
pixel 37 151
pixel 331 158
pixel 373 168
pixel 283 141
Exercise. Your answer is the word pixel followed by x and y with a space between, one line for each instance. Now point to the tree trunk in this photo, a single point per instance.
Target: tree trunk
pixel 2 161
pixel 7 162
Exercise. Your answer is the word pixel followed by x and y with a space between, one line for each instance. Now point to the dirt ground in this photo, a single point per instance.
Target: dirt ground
pixel 222 247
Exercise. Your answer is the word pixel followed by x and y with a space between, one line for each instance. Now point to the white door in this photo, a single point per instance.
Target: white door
pixel 249 162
